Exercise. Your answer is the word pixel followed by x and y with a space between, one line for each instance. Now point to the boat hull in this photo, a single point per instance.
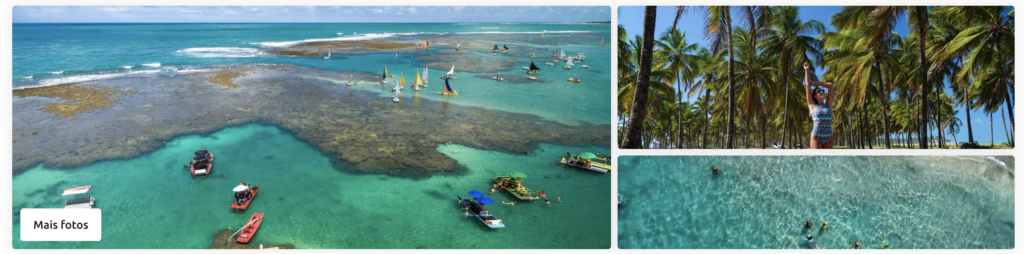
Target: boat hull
pixel 525 194
pixel 235 205
pixel 596 167
pixel 200 171
pixel 250 231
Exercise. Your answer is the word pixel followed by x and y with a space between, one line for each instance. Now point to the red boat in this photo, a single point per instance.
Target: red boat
pixel 235 205
pixel 250 228
pixel 204 169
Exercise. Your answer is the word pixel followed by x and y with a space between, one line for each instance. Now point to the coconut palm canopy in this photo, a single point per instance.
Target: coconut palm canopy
pixel 732 77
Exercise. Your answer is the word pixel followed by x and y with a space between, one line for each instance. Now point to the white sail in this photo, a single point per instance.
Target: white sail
pixel 568 63
pixel 458 45
pixel 452 71
pixel 425 73
pixel 561 54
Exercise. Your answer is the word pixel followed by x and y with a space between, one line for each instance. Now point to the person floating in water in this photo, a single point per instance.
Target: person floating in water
pixel 714 170
pixel 513 203
pixel 885 246
pixel 824 225
pixel 821 111
pixel 809 224
pixel 856 245
pixel 810 239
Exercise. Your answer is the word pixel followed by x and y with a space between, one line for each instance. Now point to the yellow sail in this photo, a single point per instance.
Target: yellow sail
pixel 386 70
pixel 402 78
pixel 419 82
pixel 602 41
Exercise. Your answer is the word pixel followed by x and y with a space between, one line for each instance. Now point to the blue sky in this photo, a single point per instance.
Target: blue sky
pixel 631 17
pixel 265 14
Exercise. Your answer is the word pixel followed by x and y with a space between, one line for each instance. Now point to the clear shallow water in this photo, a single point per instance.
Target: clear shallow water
pixel 924 202
pixel 82 51
pixel 151 202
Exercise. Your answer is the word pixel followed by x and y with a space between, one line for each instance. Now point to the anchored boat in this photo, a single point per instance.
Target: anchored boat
pixel 588 161
pixel 244 194
pixel 78 197
pixel 533 69
pixel 513 183
pixel 475 207
pixel 202 163
pixel 249 230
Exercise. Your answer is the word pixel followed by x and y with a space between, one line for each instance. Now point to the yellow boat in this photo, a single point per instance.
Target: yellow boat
pixel 514 186
pixel 448 90
pixel 599 165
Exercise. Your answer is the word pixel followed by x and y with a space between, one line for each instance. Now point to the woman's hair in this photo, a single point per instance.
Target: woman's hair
pixel 815 92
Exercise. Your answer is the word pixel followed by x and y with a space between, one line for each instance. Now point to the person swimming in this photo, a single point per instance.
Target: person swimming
pixel 809 224
pixel 824 225
pixel 810 239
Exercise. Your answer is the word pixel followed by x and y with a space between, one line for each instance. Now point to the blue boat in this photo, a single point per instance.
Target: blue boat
pixel 475 207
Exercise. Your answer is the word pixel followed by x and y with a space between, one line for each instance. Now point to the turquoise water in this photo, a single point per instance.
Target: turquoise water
pixel 308 200
pixel 762 202
pixel 85 52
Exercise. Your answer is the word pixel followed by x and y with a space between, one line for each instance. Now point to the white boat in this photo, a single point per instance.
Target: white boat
pixel 78 197
pixel 450 75
pixel 586 66
pixel 525 68
pixel 328 55
pixel 475 208
pixel 425 70
pixel 568 64
pixel 396 55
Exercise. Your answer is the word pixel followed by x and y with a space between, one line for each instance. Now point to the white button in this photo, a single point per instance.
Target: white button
pixel 60 224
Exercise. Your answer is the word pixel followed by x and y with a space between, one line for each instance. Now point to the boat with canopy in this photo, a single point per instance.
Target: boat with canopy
pixel 513 183
pixel 588 161
pixel 475 208
pixel 78 197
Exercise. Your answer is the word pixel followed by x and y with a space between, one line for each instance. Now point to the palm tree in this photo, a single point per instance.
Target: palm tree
pixel 791 39
pixel 639 108
pixel 679 53
pixel 987 43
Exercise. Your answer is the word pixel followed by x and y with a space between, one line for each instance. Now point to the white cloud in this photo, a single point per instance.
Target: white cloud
pixel 377 11
pixel 113 9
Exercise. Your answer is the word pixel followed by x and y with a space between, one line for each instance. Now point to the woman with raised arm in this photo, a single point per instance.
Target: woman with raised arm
pixel 821 111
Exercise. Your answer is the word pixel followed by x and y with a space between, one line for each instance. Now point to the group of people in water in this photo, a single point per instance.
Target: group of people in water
pixel 824 225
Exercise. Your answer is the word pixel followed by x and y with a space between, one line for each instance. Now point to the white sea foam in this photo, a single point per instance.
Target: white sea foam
pixel 57 72
pixel 27 77
pixel 127 67
pixel 997 162
pixel 277 44
pixel 227 52
pixel 489 27
pixel 151 64
pixel 542 32
pixel 88 77
pixel 187 71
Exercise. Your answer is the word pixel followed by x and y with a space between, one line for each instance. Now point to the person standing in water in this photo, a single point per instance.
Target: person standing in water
pixel 819 102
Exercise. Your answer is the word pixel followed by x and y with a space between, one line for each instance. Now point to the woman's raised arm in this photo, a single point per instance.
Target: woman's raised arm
pixel 807 84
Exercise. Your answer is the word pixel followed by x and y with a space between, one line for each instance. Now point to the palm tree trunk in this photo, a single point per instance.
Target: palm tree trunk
pixel 785 102
pixel 970 130
pixel 922 19
pixel 991 129
pixel 639 108
pixel 704 132
pixel 1009 111
pixel 1003 115
pixel 729 128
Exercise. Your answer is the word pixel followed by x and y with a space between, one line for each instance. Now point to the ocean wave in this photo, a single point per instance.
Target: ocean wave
pixel 57 72
pixel 279 44
pixel 1001 164
pixel 87 77
pixel 541 32
pixel 187 71
pixel 228 52
pixel 489 27
pixel 371 36
pixel 127 67
pixel 27 77
pixel 151 64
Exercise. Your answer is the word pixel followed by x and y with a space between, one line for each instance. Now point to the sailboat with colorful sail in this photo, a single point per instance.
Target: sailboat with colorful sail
pixel 416 85
pixel 458 46
pixel 504 48
pixel 403 80
pixel 495 50
pixel 448 90
pixel 602 42
pixel 387 73
pixel 450 75
pixel 351 80
pixel 533 69
pixel 384 77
